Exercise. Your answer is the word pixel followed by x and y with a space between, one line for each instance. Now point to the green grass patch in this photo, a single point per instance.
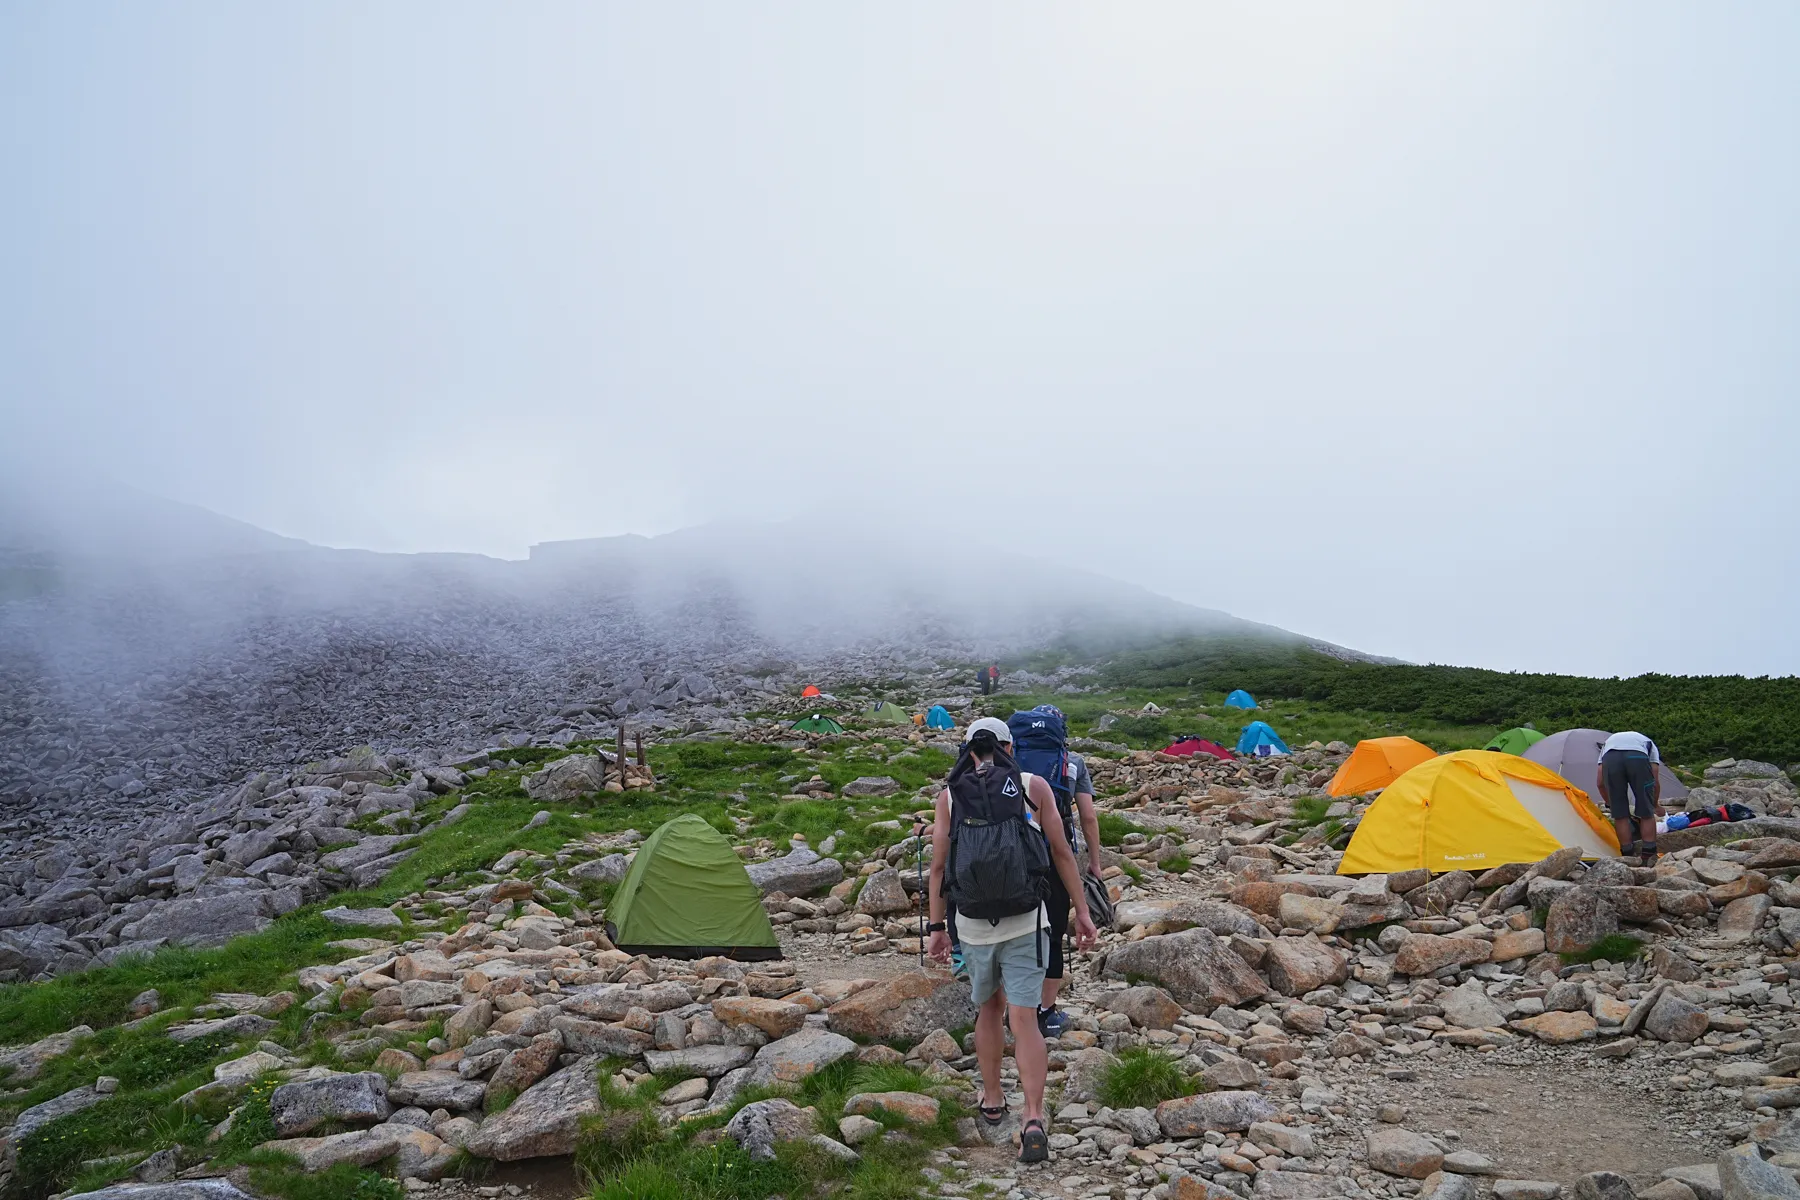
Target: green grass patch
pixel 257 962
pixel 1114 828
pixel 1310 810
pixel 1175 864
pixel 1144 1078
pixel 1614 947
pixel 283 1179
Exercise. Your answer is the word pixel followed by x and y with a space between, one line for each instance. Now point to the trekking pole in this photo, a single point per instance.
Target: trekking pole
pixel 919 856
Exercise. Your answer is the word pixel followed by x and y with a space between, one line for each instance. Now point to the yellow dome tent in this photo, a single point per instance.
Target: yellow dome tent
pixel 1377 762
pixel 1472 810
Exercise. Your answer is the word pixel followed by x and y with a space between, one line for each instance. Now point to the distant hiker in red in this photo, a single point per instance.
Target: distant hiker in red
pixel 993 679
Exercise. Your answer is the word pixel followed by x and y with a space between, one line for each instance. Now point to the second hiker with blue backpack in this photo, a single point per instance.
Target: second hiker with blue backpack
pixel 1041 746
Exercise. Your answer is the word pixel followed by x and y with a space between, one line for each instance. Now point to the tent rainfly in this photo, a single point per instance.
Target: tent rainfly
pixel 817 724
pixel 1189 746
pixel 939 718
pixel 1259 740
pixel 1377 762
pixel 889 713
pixel 1515 741
pixel 1575 755
pixel 1240 699
pixel 687 895
pixel 1472 810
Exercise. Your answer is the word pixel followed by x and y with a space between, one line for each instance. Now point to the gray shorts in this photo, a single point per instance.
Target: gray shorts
pixel 1015 966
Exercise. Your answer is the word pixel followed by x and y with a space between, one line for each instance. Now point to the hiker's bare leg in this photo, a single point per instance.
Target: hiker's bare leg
pixel 1627 835
pixel 1051 988
pixel 1647 831
pixel 990 1046
pixel 1031 1058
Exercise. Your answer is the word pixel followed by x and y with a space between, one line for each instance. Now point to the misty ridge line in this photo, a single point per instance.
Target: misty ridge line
pixel 152 653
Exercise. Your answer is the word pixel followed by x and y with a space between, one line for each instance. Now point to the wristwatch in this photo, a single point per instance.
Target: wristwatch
pixel 936 927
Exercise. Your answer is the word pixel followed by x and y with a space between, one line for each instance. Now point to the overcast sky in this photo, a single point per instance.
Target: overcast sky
pixel 1463 333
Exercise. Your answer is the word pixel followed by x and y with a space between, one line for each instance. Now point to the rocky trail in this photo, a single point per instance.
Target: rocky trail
pixel 1318 1035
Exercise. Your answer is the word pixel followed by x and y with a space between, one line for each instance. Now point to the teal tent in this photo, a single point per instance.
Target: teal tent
pixel 939 718
pixel 1240 699
pixel 1260 741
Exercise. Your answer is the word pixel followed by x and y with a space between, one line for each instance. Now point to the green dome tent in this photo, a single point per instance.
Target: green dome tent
pixel 687 895
pixel 818 724
pixel 889 713
pixel 1515 741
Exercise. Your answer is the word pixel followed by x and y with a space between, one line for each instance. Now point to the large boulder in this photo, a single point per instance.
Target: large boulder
pixel 759 1126
pixel 545 1119
pixel 1148 1007
pixel 1672 1019
pixel 1579 918
pixel 199 921
pixel 1225 1112
pixel 1742 919
pixel 437 1089
pixel 1297 966
pixel 708 1062
pixel 600 1037
pixel 610 868
pixel 903 1009
pixel 1085 1072
pixel 1197 968
pixel 776 1018
pixel 25 1063
pixel 34 950
pixel 1744 1175
pixel 1396 1151
pixel 792 1059
pixel 524 1067
pixel 300 1107
pixel 883 893
pixel 1470 1007
pixel 1429 953
pixel 796 873
pixel 1222 918
pixel 40 1115
pixel 567 779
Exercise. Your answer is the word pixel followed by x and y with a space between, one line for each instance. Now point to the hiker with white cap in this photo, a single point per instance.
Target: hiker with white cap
pixel 995 840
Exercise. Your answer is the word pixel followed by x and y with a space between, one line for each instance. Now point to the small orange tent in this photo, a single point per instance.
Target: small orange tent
pixel 812 689
pixel 1377 762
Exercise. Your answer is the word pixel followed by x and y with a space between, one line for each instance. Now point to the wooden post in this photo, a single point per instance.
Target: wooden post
pixel 619 753
pixel 640 748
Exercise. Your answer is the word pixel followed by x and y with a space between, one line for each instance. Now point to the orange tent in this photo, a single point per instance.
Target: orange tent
pixel 812 689
pixel 1377 762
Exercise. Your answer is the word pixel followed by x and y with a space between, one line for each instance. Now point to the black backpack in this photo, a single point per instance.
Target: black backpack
pixel 998 860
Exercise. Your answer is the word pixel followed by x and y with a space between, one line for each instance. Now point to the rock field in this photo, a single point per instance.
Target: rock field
pixel 1387 1036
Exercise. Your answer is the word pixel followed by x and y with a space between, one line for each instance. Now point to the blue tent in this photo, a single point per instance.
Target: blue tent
pixel 939 718
pixel 1240 699
pixel 1260 741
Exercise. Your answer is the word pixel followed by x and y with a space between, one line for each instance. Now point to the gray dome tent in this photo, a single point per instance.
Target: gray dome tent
pixel 1575 755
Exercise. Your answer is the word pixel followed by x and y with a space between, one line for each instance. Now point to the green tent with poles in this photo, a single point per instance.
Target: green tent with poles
pixel 817 724
pixel 889 713
pixel 687 895
pixel 1515 741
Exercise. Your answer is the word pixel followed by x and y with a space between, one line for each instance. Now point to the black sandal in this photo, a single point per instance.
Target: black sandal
pixel 1034 1143
pixel 993 1114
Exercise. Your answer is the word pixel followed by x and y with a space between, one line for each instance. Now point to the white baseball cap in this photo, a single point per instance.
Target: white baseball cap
pixel 993 725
